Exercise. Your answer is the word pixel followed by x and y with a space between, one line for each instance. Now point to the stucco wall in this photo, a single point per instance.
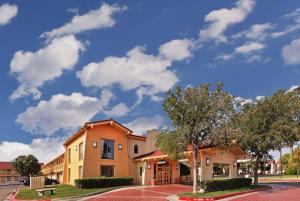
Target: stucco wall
pixel 75 162
pixel 150 141
pixel 219 156
pixel 93 161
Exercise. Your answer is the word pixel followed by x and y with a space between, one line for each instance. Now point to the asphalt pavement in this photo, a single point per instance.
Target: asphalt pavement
pixel 5 190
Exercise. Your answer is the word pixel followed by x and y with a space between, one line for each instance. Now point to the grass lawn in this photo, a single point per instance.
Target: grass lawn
pixel 62 191
pixel 215 193
pixel 279 177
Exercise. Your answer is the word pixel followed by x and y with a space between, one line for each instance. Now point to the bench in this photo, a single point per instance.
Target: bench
pixel 41 192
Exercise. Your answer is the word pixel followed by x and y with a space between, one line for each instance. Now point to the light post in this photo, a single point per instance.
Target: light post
pixel 200 138
pixel 298 159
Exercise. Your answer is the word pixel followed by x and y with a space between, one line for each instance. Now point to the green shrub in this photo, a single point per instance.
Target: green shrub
pixel 291 171
pixel 100 182
pixel 219 185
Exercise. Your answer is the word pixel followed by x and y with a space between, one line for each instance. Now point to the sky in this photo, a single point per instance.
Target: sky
pixel 64 63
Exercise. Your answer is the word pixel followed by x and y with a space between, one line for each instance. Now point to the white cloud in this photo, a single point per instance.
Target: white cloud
pixel 142 124
pixel 249 47
pixel 220 20
pixel 7 13
pixel 62 112
pixel 295 15
pixel 292 88
pixel 118 110
pixel 256 31
pixel 248 50
pixel 259 97
pixel 290 52
pixel 33 69
pixel 45 149
pixel 243 101
pixel 225 57
pixel 177 50
pixel 145 73
pixel 94 19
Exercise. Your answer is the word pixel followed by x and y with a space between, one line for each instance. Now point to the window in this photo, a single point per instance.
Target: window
pixel 107 170
pixel 107 149
pixel 80 171
pixel 81 151
pixel 69 175
pixel 136 149
pixel 141 170
pixel 69 155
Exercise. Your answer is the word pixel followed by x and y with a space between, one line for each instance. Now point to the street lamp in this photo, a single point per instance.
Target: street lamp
pixel 201 136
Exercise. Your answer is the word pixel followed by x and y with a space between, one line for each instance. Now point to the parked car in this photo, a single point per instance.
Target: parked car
pixel 48 181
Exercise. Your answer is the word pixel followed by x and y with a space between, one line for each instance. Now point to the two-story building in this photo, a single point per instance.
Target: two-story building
pixel 107 148
pixel 7 173
pixel 54 169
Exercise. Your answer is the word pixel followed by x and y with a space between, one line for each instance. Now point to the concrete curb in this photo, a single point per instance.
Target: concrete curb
pixel 278 180
pixel 218 197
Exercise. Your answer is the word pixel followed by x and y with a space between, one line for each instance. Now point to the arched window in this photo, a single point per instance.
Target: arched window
pixel 136 149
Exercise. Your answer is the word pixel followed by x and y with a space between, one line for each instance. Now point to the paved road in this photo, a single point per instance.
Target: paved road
pixel 279 192
pixel 6 190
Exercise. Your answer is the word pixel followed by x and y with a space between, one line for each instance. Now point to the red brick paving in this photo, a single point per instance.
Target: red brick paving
pixel 278 193
pixel 157 193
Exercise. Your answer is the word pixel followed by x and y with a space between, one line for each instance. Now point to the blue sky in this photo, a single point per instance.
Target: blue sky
pixel 63 63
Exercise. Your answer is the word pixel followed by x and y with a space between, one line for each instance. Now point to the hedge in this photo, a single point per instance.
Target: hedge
pixel 100 182
pixel 219 185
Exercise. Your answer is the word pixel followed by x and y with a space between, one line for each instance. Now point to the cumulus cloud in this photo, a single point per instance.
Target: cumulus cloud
pixel 248 50
pixel 290 52
pixel 62 112
pixel 177 50
pixel 243 101
pixel 7 13
pixel 45 149
pixel 219 20
pixel 292 88
pixel 118 110
pixel 145 73
pixel 142 124
pixel 33 69
pixel 256 31
pixel 95 19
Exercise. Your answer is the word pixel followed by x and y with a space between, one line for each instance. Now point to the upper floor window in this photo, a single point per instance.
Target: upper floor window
pixel 136 149
pixel 69 155
pixel 81 151
pixel 107 149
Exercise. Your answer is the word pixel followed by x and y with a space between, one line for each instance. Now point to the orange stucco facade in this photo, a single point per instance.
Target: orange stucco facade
pixel 107 148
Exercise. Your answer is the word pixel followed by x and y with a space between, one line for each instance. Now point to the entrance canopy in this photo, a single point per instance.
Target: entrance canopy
pixel 152 156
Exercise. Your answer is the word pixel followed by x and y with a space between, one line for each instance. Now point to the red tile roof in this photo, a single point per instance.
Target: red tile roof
pixel 5 165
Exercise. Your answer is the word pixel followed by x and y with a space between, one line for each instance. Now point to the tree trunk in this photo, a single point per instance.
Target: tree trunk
pixel 257 159
pixel 195 167
pixel 280 164
pixel 291 154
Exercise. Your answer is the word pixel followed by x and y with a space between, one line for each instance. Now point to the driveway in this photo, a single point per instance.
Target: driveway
pixel 5 190
pixel 156 193
pixel 279 192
